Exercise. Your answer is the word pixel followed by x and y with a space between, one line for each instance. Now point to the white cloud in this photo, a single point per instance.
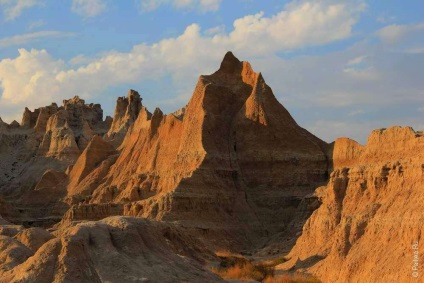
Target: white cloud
pixel 14 8
pixel 385 19
pixel 395 33
pixel 28 37
pixel 28 76
pixel 215 30
pixel 356 112
pixel 362 73
pixel 183 57
pixel 36 24
pixel 308 84
pixel 357 60
pixel 88 8
pixel 201 5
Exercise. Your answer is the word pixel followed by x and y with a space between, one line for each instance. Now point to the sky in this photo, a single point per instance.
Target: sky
pixel 341 68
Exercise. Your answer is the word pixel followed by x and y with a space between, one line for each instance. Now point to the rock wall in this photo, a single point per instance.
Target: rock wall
pixel 370 218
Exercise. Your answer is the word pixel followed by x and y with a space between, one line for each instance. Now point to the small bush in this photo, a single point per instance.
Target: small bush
pixel 237 267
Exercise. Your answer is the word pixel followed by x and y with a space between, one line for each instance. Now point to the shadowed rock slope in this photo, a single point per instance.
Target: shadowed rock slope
pixel 234 161
pixel 371 212
pixel 35 155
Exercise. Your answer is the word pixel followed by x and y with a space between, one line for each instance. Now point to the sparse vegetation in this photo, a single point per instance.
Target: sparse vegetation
pixel 235 266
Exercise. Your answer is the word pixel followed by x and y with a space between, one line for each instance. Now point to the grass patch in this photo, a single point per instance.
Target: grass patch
pixel 238 267
pixel 235 266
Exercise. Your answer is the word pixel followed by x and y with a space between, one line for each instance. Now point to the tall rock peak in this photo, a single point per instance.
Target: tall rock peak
pixel 230 64
pixel 126 112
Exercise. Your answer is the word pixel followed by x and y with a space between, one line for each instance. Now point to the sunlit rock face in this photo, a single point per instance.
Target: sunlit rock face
pixel 370 214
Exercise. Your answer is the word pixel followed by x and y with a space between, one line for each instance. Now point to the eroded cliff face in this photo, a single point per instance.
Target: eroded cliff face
pixel 371 213
pixel 233 159
pixel 35 155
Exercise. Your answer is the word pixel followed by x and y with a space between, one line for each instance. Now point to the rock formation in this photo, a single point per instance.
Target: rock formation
pixel 115 249
pixel 370 219
pixel 233 156
pixel 232 169
pixel 96 152
pixel 126 112
pixel 70 128
pixel 34 156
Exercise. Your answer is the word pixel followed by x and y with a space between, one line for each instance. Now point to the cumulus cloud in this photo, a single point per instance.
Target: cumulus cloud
pixel 35 72
pixel 395 33
pixel 32 73
pixel 345 86
pixel 88 8
pixel 13 8
pixel 385 90
pixel 201 5
pixel 29 37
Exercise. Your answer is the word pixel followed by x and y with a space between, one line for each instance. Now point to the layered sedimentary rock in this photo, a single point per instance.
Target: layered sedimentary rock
pixel 94 154
pixel 35 155
pixel 115 249
pixel 370 222
pixel 233 158
pixel 69 129
pixel 126 112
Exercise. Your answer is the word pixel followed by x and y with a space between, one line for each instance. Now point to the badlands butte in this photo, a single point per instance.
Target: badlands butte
pixel 153 197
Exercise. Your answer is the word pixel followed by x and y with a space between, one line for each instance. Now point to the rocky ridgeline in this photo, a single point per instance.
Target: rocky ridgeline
pixel 232 160
pixel 233 155
pixel 126 112
pixel 232 168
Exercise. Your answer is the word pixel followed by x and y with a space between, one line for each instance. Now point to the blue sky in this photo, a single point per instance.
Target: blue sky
pixel 342 68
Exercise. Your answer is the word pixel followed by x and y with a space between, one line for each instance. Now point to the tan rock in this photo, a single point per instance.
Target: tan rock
pixel 115 249
pixel 29 118
pixel 33 238
pixel 370 214
pixel 12 253
pixel 44 114
pixel 234 160
pixel 96 152
pixel 126 112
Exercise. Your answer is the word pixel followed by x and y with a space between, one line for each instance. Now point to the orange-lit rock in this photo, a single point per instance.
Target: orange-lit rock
pixel 233 159
pixel 370 214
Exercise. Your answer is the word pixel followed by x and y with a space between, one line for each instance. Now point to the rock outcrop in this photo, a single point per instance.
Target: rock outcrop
pixel 69 130
pixel 94 154
pixel 35 155
pixel 126 112
pixel 115 249
pixel 370 220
